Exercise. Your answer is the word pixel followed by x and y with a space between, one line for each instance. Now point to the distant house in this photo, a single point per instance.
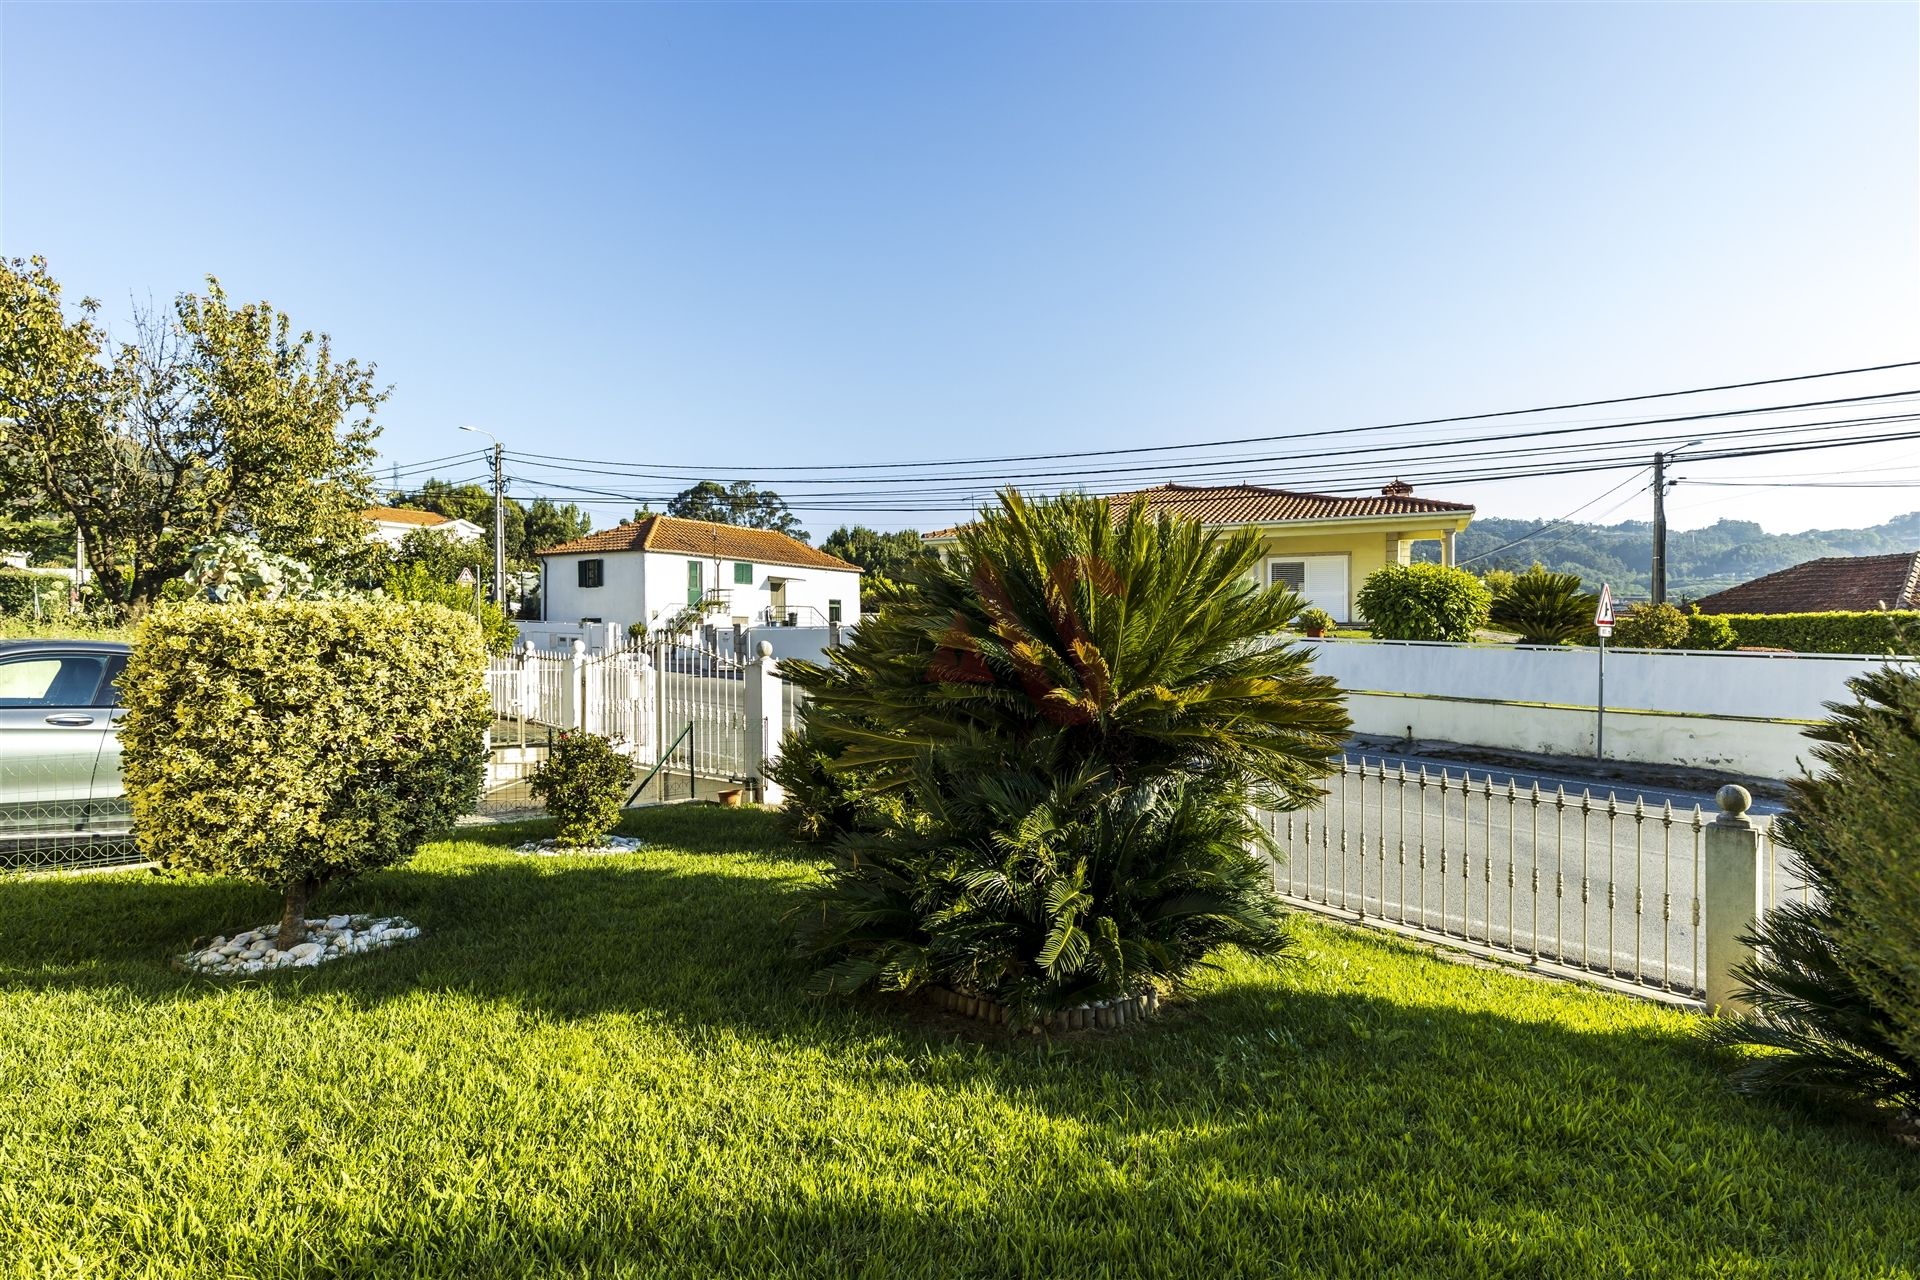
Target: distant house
pixel 1321 545
pixel 1851 584
pixel 392 524
pixel 651 570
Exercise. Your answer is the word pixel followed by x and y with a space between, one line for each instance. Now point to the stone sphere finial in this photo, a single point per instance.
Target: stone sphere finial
pixel 1734 800
pixel 766 648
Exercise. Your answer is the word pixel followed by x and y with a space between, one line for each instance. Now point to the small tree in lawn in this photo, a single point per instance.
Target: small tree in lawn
pixel 582 782
pixel 301 742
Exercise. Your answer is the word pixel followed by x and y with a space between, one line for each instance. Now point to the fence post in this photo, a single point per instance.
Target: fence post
pixel 573 701
pixel 1732 890
pixel 766 704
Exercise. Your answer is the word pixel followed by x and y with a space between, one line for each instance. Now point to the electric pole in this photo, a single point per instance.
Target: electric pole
pixel 499 529
pixel 1659 528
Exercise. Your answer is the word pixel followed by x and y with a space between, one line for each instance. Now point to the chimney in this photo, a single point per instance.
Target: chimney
pixel 1398 489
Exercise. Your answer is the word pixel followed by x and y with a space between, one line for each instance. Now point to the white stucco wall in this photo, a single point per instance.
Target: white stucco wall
pixel 1743 712
pixel 651 586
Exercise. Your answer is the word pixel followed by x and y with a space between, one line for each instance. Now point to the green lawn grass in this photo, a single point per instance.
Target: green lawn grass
pixel 606 1067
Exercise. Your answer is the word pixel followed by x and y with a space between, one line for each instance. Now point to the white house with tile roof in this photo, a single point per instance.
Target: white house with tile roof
pixel 391 525
pixel 648 571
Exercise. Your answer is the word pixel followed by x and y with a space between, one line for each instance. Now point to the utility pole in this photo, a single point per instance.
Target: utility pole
pixel 1659 528
pixel 499 517
pixel 499 528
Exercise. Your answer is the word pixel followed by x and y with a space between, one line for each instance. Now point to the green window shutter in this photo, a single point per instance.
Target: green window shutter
pixel 743 574
pixel 833 611
pixel 696 581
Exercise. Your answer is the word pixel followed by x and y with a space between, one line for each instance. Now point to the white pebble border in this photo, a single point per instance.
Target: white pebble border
pixel 614 844
pixel 329 939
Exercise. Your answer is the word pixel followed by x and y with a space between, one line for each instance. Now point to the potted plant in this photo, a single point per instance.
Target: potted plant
pixel 1315 622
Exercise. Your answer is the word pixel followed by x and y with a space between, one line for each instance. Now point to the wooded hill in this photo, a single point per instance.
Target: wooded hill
pixel 1699 561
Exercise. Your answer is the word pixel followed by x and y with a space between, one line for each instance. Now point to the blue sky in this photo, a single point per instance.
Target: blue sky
pixel 793 235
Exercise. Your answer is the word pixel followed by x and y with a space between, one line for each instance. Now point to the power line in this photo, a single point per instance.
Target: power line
pixel 1335 431
pixel 1536 532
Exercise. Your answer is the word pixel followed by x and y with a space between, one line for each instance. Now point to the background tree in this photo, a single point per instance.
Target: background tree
pixel 882 555
pixel 741 503
pixel 548 525
pixel 215 420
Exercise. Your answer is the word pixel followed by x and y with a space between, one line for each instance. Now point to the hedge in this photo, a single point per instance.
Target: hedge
pixel 17 587
pixel 1869 632
pixel 300 742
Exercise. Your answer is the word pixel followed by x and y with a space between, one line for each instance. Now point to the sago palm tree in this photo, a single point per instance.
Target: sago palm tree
pixel 1079 706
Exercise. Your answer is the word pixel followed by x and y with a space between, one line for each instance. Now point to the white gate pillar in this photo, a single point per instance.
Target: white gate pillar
pixel 1732 891
pixel 765 714
pixel 573 698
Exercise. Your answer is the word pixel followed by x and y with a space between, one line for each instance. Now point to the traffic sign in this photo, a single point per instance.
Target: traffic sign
pixel 466 577
pixel 1603 613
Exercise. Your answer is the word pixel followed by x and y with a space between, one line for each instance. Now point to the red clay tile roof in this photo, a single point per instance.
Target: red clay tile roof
pixel 1851 583
pixel 404 515
pixel 1251 504
pixel 704 538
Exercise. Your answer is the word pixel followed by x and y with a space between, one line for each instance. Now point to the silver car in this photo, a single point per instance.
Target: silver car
pixel 59 747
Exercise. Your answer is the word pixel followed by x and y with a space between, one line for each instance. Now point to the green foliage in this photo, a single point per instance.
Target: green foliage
pixel 215 420
pixel 34 596
pixel 1709 631
pixel 1542 607
pixel 443 556
pixel 742 503
pixel 1080 710
pixel 299 742
pixel 1892 631
pixel 1499 580
pixel 231 569
pixel 417 582
pixel 1836 984
pixel 1314 621
pixel 528 529
pixel 822 803
pixel 885 555
pixel 582 782
pixel 1652 626
pixel 1424 602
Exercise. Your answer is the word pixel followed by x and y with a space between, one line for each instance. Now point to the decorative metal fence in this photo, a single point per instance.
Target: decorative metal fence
pixel 1590 882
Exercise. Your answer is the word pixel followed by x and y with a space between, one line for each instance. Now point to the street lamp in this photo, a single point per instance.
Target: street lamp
pixel 499 521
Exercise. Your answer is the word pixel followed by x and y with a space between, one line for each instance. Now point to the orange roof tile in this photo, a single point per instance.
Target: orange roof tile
pixel 403 515
pixel 704 538
pixel 1251 504
pixel 1844 583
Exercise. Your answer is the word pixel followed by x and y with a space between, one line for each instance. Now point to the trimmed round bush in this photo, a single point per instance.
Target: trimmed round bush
pixel 1424 602
pixel 582 782
pixel 298 743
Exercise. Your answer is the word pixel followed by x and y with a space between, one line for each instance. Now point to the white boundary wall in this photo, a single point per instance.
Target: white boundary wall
pixel 1741 712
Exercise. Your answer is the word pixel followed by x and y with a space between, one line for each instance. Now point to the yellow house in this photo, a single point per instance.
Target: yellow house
pixel 1322 545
